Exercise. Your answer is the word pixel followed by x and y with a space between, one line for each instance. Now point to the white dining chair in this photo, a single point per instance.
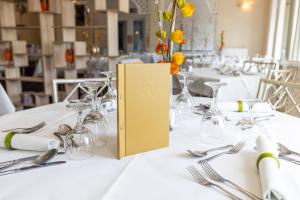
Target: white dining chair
pixel 282 96
pixel 285 75
pixel 6 105
pixel 257 66
pixel 77 86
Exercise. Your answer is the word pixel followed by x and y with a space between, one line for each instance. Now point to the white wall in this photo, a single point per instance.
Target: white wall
pixel 244 29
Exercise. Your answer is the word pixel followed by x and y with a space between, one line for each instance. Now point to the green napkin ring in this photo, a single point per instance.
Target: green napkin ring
pixel 7 140
pixel 267 155
pixel 240 105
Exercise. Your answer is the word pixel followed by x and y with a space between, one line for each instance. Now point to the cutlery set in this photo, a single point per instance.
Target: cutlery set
pixel 284 152
pixel 216 177
pixel 231 150
pixel 37 161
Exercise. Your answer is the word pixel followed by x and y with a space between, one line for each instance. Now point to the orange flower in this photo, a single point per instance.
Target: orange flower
pixel 161 48
pixel 188 9
pixel 177 36
pixel 174 68
pixel 178 58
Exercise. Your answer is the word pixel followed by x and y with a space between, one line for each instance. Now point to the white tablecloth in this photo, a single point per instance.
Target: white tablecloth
pixel 238 87
pixel 159 174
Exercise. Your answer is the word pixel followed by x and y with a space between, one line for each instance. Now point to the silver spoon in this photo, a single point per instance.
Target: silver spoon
pixel 205 153
pixel 44 157
pixel 63 130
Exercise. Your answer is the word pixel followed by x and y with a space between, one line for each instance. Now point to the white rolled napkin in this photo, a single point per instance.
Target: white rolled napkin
pixel 269 170
pixel 27 142
pixel 241 106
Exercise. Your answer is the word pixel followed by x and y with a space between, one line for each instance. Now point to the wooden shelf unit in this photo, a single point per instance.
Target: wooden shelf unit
pixel 15 52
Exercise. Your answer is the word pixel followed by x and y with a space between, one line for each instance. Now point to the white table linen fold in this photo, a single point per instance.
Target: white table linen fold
pixel 29 142
pixel 273 183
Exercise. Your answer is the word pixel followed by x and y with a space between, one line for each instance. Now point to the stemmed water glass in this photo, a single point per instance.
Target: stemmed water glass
pixel 213 122
pixel 184 103
pixel 80 141
pixel 109 100
pixel 95 117
pixel 249 120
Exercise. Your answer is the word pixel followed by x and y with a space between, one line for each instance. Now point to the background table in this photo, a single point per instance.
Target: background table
pixel 159 174
pixel 238 87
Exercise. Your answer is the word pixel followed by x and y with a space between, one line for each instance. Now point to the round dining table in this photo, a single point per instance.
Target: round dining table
pixel 159 174
pixel 238 87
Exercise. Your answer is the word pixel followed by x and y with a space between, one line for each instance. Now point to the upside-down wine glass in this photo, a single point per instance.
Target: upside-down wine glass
pixel 184 103
pixel 213 122
pixel 80 141
pixel 95 117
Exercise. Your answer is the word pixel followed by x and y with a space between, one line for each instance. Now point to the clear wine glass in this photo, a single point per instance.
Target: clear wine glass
pixel 184 103
pixel 95 119
pixel 109 100
pixel 80 141
pixel 213 122
pixel 248 121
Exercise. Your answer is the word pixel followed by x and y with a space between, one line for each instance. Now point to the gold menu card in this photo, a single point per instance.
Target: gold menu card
pixel 143 107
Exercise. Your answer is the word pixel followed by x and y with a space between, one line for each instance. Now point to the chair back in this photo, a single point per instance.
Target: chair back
pixel 282 95
pixel 259 66
pixel 77 85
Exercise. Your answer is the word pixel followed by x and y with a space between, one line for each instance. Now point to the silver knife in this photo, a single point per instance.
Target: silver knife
pixel 22 169
pixel 297 162
pixel 19 160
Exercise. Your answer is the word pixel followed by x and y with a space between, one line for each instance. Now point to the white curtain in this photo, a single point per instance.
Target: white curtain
pixel 293 43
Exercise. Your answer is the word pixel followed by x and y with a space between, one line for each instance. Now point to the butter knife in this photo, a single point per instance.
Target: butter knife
pixel 22 169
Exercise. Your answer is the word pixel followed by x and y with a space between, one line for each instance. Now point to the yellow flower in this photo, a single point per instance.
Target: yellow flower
pixel 177 36
pixel 188 9
pixel 178 58
pixel 167 15
pixel 180 3
pixel 161 35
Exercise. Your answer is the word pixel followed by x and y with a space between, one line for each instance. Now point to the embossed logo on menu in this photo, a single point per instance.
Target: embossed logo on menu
pixel 148 90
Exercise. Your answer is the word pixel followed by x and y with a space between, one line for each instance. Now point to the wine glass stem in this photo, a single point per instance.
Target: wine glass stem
pixel 78 125
pixel 94 99
pixel 213 104
pixel 251 118
pixel 185 80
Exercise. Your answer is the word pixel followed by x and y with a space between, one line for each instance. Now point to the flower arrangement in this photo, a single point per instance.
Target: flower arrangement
pixel 175 35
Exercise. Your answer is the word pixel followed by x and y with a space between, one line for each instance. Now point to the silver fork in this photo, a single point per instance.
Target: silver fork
pixel 27 130
pixel 203 181
pixel 286 151
pixel 235 149
pixel 217 177
pixel 204 153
